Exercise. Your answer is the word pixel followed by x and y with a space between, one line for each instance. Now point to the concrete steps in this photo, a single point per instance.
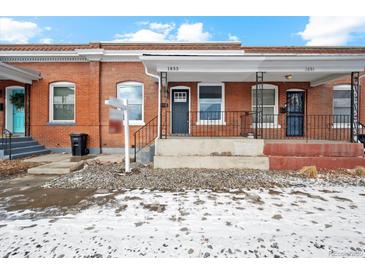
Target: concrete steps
pixel 224 153
pixel 212 162
pixel 210 153
pixel 209 147
pixel 22 147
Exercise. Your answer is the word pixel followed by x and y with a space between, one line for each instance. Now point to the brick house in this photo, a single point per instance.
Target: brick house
pixel 301 99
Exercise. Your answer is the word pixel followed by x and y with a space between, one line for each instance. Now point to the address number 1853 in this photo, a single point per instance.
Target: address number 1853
pixel 173 68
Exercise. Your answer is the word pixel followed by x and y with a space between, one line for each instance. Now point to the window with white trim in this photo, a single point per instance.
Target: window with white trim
pixel 342 104
pixel 133 92
pixel 211 102
pixel 62 102
pixel 269 102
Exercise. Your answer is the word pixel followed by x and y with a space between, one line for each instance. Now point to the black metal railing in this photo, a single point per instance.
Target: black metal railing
pixel 145 136
pixel 205 123
pixel 6 141
pixel 243 123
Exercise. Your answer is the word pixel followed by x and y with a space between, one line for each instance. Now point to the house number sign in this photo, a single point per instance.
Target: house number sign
pixel 173 68
pixel 309 68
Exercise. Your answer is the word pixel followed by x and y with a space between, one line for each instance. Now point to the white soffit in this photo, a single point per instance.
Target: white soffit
pixel 314 78
pixel 10 72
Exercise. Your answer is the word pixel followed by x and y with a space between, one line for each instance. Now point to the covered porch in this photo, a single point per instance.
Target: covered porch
pixel 255 96
pixel 15 88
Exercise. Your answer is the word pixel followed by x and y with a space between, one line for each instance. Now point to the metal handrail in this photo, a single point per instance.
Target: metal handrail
pixel 145 136
pixel 6 136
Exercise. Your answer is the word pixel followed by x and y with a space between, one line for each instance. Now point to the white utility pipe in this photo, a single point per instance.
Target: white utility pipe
pixel 126 136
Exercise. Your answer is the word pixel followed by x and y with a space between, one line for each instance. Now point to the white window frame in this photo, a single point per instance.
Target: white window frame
pixel 134 83
pixel 51 97
pixel 340 87
pixel 276 106
pixel 212 122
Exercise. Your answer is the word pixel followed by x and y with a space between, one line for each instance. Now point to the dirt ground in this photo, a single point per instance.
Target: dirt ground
pixel 13 168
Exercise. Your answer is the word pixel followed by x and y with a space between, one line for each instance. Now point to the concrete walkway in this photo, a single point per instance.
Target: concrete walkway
pixel 56 168
pixel 55 164
pixel 58 164
pixel 49 158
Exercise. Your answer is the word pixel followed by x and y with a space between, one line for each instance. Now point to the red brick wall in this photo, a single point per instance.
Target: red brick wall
pixel 83 75
pixel 320 98
pixel 238 98
pixel 95 82
pixel 113 73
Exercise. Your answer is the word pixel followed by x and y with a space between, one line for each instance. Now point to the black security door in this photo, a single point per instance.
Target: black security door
pixel 295 113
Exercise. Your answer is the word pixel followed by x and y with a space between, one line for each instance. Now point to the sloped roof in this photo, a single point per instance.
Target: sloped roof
pixel 186 46
pixel 122 46
pixel 304 50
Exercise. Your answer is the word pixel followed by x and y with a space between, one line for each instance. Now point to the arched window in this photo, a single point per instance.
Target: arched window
pixel 342 104
pixel 270 103
pixel 62 102
pixel 134 93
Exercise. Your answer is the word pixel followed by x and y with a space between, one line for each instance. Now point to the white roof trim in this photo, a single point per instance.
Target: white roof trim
pixel 138 55
pixel 105 55
pixel 167 57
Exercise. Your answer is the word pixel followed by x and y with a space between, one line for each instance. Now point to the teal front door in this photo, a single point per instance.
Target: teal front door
pixel 18 113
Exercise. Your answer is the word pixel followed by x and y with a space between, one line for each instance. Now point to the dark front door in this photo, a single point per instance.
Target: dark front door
pixel 180 111
pixel 295 113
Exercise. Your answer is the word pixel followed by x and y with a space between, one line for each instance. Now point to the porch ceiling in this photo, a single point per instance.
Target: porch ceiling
pixel 316 69
pixel 315 79
pixel 10 72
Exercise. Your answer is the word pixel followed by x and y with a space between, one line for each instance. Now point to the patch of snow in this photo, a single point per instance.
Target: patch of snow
pixel 312 223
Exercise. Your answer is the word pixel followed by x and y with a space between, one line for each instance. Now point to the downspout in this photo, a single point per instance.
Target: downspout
pixel 159 100
pixel 360 96
pixel 27 107
pixel 99 107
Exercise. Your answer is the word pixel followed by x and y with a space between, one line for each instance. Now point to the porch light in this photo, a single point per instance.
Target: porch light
pixel 288 77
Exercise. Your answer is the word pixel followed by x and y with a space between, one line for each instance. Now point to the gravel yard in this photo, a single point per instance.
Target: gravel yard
pixel 98 212
pixel 110 176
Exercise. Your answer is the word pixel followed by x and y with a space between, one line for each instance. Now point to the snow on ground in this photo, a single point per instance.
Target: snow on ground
pixel 316 221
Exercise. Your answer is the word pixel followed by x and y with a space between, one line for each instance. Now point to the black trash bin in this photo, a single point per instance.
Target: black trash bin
pixel 78 144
